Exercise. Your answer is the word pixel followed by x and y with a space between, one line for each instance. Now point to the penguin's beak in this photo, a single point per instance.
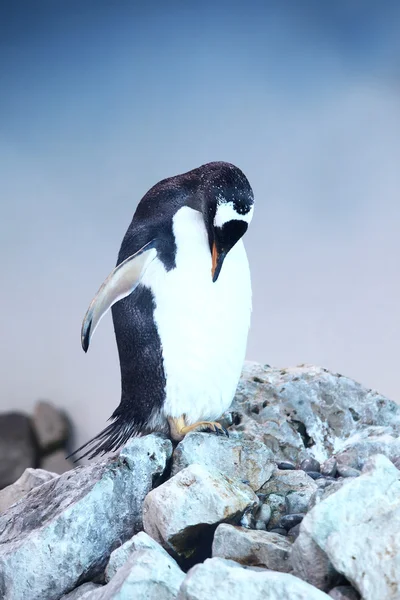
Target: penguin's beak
pixel 217 260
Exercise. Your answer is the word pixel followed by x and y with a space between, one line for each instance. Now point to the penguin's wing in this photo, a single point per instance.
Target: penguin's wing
pixel 120 283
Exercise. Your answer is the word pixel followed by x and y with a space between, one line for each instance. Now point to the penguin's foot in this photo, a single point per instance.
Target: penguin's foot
pixel 179 429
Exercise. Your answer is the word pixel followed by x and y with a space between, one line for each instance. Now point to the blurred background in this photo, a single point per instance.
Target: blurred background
pixel 99 100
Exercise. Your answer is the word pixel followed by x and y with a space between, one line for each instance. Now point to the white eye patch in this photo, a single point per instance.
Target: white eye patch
pixel 226 212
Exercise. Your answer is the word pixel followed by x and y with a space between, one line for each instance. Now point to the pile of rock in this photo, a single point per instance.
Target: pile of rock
pixel 30 442
pixel 302 501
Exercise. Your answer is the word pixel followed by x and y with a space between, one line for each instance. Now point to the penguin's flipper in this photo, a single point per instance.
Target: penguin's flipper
pixel 120 283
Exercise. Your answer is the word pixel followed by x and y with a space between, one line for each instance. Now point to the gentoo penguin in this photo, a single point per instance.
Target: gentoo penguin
pixel 181 303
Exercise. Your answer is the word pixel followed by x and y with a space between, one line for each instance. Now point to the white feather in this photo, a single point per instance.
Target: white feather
pixel 203 326
pixel 226 212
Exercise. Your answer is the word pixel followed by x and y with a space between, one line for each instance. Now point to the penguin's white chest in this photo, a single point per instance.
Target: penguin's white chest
pixel 203 326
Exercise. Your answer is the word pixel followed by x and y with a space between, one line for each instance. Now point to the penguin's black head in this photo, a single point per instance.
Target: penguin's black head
pixel 228 204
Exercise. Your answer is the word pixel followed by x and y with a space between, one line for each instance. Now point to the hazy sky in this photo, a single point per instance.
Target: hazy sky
pixel 100 100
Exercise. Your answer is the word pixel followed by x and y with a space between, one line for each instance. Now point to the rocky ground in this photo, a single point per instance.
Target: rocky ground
pixel 37 440
pixel 301 502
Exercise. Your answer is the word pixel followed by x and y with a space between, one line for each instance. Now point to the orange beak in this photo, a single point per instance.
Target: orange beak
pixel 217 258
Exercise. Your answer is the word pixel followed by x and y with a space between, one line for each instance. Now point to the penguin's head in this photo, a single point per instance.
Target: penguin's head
pixel 228 210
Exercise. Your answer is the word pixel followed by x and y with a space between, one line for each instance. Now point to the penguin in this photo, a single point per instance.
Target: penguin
pixel 181 301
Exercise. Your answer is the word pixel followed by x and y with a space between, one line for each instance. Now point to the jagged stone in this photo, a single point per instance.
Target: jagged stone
pixel 29 479
pixel 148 574
pixel 344 592
pixel 307 410
pixel 120 555
pixel 226 579
pixel 66 529
pixel 288 492
pixel 357 529
pixel 182 513
pixel 83 592
pixel 256 548
pixel 236 457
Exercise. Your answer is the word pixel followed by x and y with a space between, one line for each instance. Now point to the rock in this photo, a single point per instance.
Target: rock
pixel 264 513
pixel 364 444
pixel 182 513
pixel 17 447
pixel 307 410
pixel 66 529
pixel 57 462
pixel 50 425
pixel 329 467
pixel 344 592
pixel 247 521
pixel 344 471
pixel 29 479
pixel 285 465
pixel 289 521
pixel 310 563
pixel 83 592
pixel 294 487
pixel 325 491
pixel 140 541
pixel 314 474
pixel 278 531
pixel 277 506
pixel 236 457
pixel 294 532
pixel 310 464
pixel 357 529
pixel 227 579
pixel 257 548
pixel 148 574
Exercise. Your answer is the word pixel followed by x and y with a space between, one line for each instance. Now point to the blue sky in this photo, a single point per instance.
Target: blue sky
pixel 100 100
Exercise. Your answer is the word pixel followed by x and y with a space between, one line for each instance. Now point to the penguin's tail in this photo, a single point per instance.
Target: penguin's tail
pixel 110 439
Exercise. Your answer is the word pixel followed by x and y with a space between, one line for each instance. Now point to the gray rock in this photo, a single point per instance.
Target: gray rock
pixel 264 513
pixel 329 467
pixel 256 548
pixel 57 462
pixel 294 532
pixel 148 574
pixel 279 531
pixel 236 457
pixel 307 410
pixel 364 444
pixel 50 425
pixel 277 506
pixel 328 490
pixel 294 487
pixel 140 541
pixel 290 521
pixel 29 479
pixel 83 592
pixel 310 563
pixel 358 529
pixel 182 513
pixel 226 579
pixel 285 465
pixel 17 447
pixel 345 471
pixel 66 529
pixel 344 592
pixel 310 464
